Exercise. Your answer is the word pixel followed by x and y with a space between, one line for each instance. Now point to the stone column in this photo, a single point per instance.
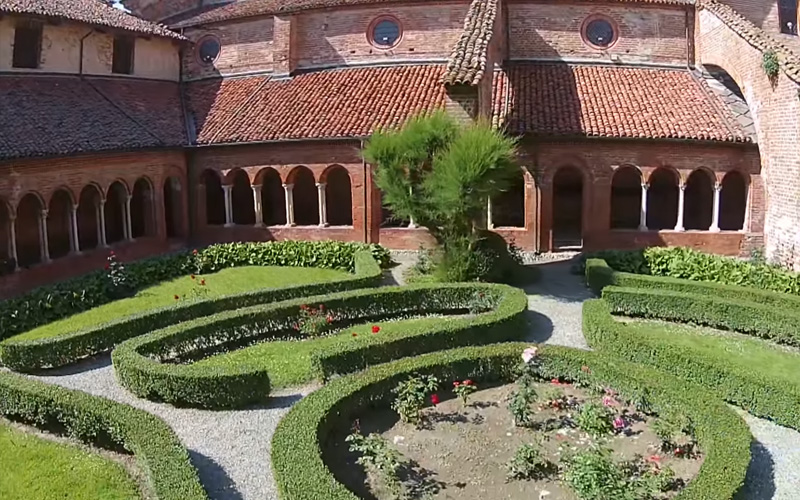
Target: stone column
pixel 127 211
pixel 746 221
pixel 489 221
pixel 75 242
pixel 12 239
pixel 322 205
pixel 715 215
pixel 101 224
pixel 257 205
pixel 228 205
pixel 643 209
pixel 681 198
pixel 44 247
pixel 289 198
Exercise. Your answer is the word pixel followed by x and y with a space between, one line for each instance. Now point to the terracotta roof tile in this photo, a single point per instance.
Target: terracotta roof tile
pixel 68 115
pixel 468 60
pixel 789 61
pixel 94 12
pixel 326 104
pixel 601 101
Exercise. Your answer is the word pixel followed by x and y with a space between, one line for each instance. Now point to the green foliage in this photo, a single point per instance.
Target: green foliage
pixel 520 406
pixel 464 389
pixel 379 457
pixel 594 419
pixel 157 451
pixel 441 174
pixel 28 355
pixel 770 64
pixel 49 303
pixel 528 463
pixel 118 281
pixel 145 364
pixel 314 321
pixel 301 473
pixel 410 397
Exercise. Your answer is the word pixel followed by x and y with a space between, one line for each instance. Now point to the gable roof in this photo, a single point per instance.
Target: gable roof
pixel 93 12
pixel 469 58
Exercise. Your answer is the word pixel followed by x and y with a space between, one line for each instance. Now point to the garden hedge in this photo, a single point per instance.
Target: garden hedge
pixel 143 364
pixel 297 456
pixel 53 302
pixel 749 388
pixel 29 355
pixel 158 452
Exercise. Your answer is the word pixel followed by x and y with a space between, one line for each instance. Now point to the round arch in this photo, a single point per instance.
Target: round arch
pixel 142 213
pixel 568 207
pixel 306 203
pixel 662 199
pixel 89 216
pixel 28 229
pixel 242 202
pixel 626 198
pixel 733 201
pixel 173 207
pixel 699 200
pixel 214 197
pixel 59 223
pixel 115 212
pixel 338 196
pixel 273 197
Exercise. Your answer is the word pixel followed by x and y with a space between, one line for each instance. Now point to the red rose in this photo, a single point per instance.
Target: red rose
pixel 304 307
pixel 355 334
pixel 203 282
pixel 107 266
pixel 329 319
pixel 194 252
pixel 435 399
pixel 177 297
pixel 191 276
pixel 468 382
pixel 678 451
pixel 456 383
pixel 555 381
pixel 375 328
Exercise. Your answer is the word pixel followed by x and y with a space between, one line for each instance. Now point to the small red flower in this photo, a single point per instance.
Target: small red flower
pixel 355 334
pixel 468 382
pixel 177 297
pixel 203 282
pixel 191 276
pixel 678 451
pixel 329 319
pixel 456 383
pixel 375 328
pixel 435 399
pixel 296 326
pixel 555 381
pixel 654 459
pixel 194 252
pixel 304 307
pixel 111 253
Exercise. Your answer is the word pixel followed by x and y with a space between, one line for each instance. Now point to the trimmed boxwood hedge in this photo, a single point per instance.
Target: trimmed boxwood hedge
pixel 749 388
pixel 301 473
pixel 139 367
pixel 157 450
pixel 29 355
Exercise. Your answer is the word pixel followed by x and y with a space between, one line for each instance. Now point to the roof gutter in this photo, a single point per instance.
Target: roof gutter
pixel 281 141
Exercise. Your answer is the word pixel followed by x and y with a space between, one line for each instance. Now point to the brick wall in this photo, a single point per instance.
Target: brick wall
pixel 776 112
pixel 762 13
pixel 156 10
pixel 246 46
pixel 553 31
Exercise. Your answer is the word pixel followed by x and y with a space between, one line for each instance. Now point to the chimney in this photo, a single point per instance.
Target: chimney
pixel 284 28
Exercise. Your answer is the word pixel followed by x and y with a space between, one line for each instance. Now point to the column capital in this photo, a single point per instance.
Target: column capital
pixel 227 187
pixel 75 207
pixel 717 186
pixel 43 213
pixel 256 187
pixel 288 186
pixel 320 185
pixel 682 186
pixel 645 186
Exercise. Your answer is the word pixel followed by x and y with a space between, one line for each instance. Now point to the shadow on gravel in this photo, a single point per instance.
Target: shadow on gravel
pixel 760 481
pixel 540 327
pixel 216 481
pixel 97 362
pixel 283 401
pixel 558 282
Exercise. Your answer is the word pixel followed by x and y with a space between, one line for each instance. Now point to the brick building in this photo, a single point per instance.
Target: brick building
pixel 640 122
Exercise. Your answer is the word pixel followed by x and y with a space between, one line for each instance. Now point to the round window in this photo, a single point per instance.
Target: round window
pixel 599 32
pixel 385 33
pixel 208 50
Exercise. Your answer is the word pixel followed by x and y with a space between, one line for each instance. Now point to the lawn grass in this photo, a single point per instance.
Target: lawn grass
pixel 727 348
pixel 225 282
pixel 35 468
pixel 288 362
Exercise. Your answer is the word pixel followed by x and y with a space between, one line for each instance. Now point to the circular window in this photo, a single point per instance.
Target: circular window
pixel 385 32
pixel 599 32
pixel 208 49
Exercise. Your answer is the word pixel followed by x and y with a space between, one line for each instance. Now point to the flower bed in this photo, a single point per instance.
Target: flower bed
pixel 28 355
pixel 297 449
pixel 743 384
pixel 157 450
pixel 143 363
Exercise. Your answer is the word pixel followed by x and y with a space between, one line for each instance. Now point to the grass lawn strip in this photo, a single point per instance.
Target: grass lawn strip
pixel 226 282
pixel 40 469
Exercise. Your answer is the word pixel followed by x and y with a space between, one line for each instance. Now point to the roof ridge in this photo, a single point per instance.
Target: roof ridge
pixel 468 59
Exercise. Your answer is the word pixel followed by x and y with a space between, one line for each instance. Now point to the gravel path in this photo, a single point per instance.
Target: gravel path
pixel 231 449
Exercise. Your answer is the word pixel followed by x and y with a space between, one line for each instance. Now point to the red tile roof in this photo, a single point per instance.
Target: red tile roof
pixel 50 116
pixel 94 12
pixel 602 101
pixel 327 104
pixel 468 60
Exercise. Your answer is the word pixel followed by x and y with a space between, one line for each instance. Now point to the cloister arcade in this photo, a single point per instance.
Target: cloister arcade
pixel 37 231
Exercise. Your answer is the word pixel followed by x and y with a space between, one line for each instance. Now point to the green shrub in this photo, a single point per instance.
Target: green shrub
pixel 49 303
pixel 301 473
pixel 158 452
pixel 29 355
pixel 142 363
pixel 761 394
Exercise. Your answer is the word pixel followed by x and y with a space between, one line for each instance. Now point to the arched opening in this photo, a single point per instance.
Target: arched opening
pixel 662 199
pixel 115 212
pixel 626 198
pixel 59 224
pixel 338 197
pixel 215 198
pixel 508 209
pixel 306 205
pixel 88 216
pixel 29 250
pixel 142 221
pixel 698 201
pixel 173 207
pixel 6 263
pixel 273 197
pixel 732 202
pixel 244 211
pixel 568 208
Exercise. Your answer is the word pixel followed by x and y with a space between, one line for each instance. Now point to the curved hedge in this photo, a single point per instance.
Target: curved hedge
pixel 29 355
pixel 749 388
pixel 139 367
pixel 158 452
pixel 301 473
